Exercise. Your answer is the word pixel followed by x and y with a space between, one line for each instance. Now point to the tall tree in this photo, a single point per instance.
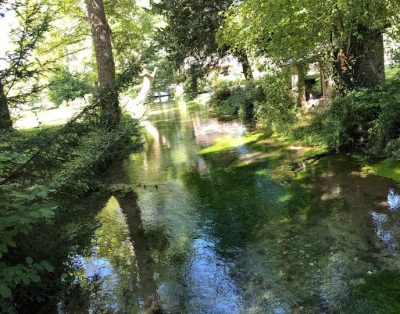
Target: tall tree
pixel 348 34
pixel 5 117
pixel 189 36
pixel 101 35
pixel 20 78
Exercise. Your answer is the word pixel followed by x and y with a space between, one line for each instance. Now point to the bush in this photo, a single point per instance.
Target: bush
pixel 277 112
pixel 366 119
pixel 363 119
pixel 68 86
pixel 61 174
pixel 232 101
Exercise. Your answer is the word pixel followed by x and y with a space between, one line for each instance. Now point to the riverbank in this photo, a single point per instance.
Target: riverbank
pixel 363 122
pixel 45 175
pixel 212 216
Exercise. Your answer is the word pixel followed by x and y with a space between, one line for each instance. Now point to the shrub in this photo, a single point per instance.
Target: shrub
pixel 61 174
pixel 366 119
pixel 277 112
pixel 232 101
pixel 66 86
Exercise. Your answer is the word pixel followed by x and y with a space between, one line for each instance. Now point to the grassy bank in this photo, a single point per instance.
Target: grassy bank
pixel 387 168
pixel 363 121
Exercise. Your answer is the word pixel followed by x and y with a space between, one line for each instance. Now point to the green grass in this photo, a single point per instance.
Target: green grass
pixel 231 143
pixel 391 72
pixel 386 168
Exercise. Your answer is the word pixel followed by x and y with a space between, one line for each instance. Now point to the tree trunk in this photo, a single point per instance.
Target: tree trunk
pixel 247 71
pixel 148 79
pixel 101 35
pixel 301 88
pixel 5 118
pixel 362 62
pixel 327 81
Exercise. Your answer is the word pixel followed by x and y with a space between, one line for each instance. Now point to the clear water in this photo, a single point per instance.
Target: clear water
pixel 218 229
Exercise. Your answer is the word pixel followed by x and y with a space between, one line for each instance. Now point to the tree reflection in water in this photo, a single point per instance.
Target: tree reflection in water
pixel 116 275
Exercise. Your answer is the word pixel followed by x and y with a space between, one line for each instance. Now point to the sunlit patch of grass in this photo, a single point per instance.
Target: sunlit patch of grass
pixel 391 72
pixel 35 131
pixel 231 143
pixel 285 198
pixel 386 168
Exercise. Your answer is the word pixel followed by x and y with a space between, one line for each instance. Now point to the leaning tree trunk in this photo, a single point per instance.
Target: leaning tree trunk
pixel 101 35
pixel 5 118
pixel 148 79
pixel 362 62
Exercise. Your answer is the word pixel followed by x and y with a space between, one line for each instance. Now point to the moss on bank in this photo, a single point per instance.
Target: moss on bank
pixel 387 168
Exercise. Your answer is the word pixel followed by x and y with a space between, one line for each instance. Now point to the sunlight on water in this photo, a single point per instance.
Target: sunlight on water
pixel 393 200
pixel 211 290
pixel 387 224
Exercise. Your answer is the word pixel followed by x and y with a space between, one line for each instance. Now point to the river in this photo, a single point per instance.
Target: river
pixel 217 227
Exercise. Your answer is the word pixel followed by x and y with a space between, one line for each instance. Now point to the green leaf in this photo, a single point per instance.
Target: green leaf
pixel 47 266
pixel 5 291
pixel 29 260
pixel 35 278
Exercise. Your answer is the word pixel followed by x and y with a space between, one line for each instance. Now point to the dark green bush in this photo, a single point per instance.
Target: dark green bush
pixel 31 202
pixel 68 86
pixel 232 101
pixel 366 119
pixel 278 110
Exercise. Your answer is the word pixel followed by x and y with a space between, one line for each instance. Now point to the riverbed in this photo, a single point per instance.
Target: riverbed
pixel 223 223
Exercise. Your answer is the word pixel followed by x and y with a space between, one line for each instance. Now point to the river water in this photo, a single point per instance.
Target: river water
pixel 217 228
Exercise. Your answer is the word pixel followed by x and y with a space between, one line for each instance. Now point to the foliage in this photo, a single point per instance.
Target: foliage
pixel 133 31
pixel 60 171
pixel 231 100
pixel 190 29
pixel 278 110
pixel 33 21
pixel 305 31
pixel 386 168
pixel 292 32
pixel 65 86
pixel 21 72
pixel 189 36
pixel 366 119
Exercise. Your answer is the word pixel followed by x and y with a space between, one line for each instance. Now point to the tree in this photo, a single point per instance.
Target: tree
pixel 189 36
pixel 348 34
pixel 5 117
pixel 19 80
pixel 101 35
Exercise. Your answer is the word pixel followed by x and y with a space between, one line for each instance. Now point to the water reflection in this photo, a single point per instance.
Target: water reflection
pixel 393 200
pixel 116 274
pixel 387 224
pixel 215 234
pixel 210 288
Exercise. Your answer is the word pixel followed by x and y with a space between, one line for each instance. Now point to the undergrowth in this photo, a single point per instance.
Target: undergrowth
pixel 35 192
pixel 363 120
